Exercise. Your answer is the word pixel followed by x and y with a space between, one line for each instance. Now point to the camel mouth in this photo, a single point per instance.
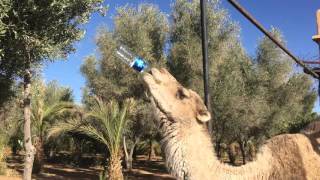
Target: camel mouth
pixel 161 113
pixel 152 83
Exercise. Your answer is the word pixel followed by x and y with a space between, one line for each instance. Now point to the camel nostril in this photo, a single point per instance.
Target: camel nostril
pixel 162 70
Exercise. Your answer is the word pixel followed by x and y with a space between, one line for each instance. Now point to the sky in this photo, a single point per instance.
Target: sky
pixel 295 19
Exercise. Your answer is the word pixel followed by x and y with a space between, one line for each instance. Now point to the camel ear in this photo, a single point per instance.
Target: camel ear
pixel 203 116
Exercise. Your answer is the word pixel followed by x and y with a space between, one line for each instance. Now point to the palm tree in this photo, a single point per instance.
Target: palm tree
pixel 49 103
pixel 104 122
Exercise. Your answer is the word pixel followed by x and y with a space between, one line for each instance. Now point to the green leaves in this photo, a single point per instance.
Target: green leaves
pixel 48 104
pixel 36 31
pixel 104 122
pixel 43 30
pixel 143 30
pixel 251 97
pixel 111 119
pixel 287 93
pixel 185 55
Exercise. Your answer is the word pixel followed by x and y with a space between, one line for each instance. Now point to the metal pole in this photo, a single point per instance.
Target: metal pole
pixel 319 59
pixel 316 38
pixel 264 31
pixel 204 51
pixel 205 59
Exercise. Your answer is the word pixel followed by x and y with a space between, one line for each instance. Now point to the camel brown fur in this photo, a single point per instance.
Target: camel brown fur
pixel 312 130
pixel 181 117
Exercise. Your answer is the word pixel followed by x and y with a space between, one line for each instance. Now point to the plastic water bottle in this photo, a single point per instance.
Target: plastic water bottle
pixel 135 62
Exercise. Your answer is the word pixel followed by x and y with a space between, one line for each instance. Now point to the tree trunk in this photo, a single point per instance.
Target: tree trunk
pixel 218 149
pixel 129 156
pixel 129 163
pixel 2 116
pixel 29 148
pixel 77 152
pixel 231 154
pixel 52 153
pixel 114 168
pixel 243 152
pixel 126 155
pixel 38 161
pixel 151 152
pixel 252 151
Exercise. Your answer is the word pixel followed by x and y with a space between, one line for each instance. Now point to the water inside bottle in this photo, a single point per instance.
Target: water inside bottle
pixel 135 62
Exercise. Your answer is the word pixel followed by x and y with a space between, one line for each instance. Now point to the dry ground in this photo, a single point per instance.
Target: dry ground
pixel 143 169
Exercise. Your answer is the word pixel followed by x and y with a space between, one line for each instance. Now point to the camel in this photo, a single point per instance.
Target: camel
pixel 181 117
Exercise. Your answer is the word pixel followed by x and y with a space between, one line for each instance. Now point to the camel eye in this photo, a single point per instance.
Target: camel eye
pixel 182 93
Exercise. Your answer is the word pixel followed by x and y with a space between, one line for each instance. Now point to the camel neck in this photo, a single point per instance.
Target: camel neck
pixel 190 155
pixel 199 153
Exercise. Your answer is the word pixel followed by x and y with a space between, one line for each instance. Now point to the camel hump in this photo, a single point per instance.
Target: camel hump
pixel 311 128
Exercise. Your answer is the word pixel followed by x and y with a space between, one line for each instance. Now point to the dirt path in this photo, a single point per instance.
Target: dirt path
pixel 153 170
pixel 143 169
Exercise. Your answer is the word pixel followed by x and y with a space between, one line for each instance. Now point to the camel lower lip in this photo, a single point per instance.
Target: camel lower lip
pixel 160 110
pixel 158 107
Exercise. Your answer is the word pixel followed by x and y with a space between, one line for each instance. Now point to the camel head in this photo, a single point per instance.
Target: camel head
pixel 172 100
pixel 181 114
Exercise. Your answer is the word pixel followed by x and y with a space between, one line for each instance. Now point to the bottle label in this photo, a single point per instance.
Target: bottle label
pixel 139 64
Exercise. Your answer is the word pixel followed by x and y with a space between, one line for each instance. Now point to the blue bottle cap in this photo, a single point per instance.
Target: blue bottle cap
pixel 139 64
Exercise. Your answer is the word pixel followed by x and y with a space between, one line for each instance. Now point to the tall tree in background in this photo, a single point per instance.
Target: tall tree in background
pixel 250 98
pixel 144 31
pixel 49 103
pixel 105 123
pixel 255 99
pixel 138 130
pixel 185 55
pixel 236 106
pixel 288 94
pixel 225 53
pixel 6 72
pixel 35 31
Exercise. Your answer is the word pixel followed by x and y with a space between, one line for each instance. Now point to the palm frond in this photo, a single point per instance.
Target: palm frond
pixel 92 132
pixel 63 127
pixel 56 109
pixel 47 104
pixel 104 122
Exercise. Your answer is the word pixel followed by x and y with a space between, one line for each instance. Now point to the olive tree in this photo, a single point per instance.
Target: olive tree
pixel 35 31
